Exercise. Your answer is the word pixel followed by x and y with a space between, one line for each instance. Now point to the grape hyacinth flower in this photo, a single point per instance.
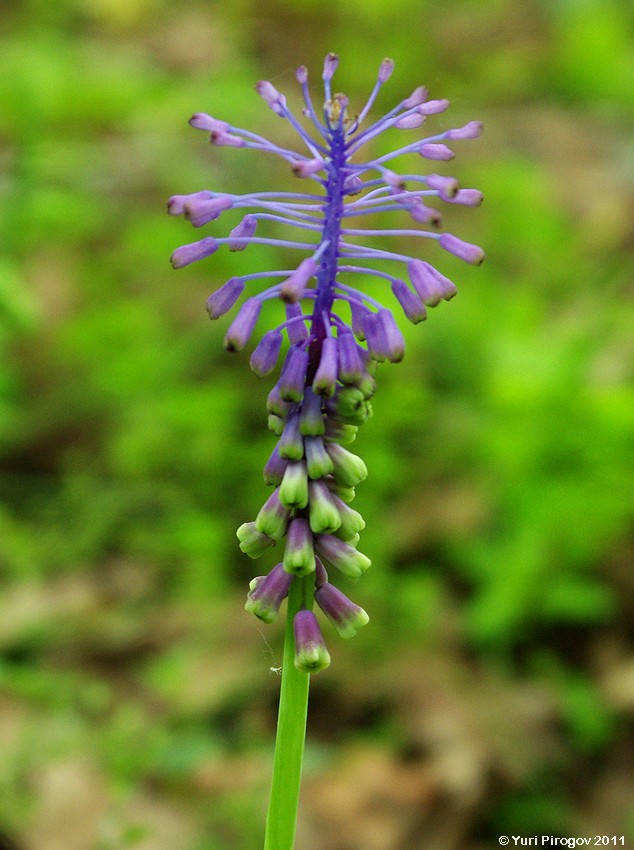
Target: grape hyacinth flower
pixel 336 335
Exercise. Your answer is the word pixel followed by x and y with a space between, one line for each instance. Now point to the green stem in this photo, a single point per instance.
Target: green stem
pixel 291 731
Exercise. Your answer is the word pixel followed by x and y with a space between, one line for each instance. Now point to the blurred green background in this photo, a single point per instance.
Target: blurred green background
pixel 493 691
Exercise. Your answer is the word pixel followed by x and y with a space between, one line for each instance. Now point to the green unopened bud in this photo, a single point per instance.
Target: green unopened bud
pixel 273 517
pixel 311 422
pixel 318 461
pixel 293 490
pixel 275 424
pixel 350 470
pixel 252 542
pixel 311 654
pixel 342 556
pixel 340 432
pixel 324 516
pixel 299 555
pixel 351 521
pixel 346 617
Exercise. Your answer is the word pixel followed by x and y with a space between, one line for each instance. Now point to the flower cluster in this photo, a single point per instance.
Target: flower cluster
pixel 325 384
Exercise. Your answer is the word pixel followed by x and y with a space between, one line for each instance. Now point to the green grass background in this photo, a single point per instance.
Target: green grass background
pixel 493 691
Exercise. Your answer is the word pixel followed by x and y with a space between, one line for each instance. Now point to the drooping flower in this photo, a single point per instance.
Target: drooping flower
pixel 326 380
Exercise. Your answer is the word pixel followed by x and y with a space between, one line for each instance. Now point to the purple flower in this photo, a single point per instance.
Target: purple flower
pixel 336 332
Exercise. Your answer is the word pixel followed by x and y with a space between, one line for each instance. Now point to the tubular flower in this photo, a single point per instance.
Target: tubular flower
pixel 336 332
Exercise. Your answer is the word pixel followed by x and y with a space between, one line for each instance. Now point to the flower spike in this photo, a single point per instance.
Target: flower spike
pixel 330 333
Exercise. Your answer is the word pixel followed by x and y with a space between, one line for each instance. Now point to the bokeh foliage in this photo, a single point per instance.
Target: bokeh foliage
pixel 495 683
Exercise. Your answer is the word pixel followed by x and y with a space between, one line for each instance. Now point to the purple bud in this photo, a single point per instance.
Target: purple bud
pixel 318 462
pixel 223 299
pixel 301 75
pixel 242 326
pixel 265 354
pixel 273 98
pixel 465 250
pixel 447 187
pixel 343 557
pixel 472 130
pixel 187 254
pixel 411 303
pixel 410 122
pixel 351 366
pixel 416 97
pixel 433 151
pixel 468 197
pixel 357 312
pixel 353 185
pixel 330 66
pixel 252 542
pixel 376 342
pixel 201 211
pixel 202 121
pixel 176 204
pixel 433 107
pixel 226 140
pixel 311 654
pixel 265 597
pixel 346 617
pixel 422 213
pixel 427 283
pixel 385 70
pixel 326 376
pixel 311 422
pixel 245 230
pixel 321 576
pixel 273 517
pixel 299 556
pixel 291 444
pixel 294 285
pixel 393 336
pixel 293 378
pixel 296 331
pixel 275 468
pixel 306 167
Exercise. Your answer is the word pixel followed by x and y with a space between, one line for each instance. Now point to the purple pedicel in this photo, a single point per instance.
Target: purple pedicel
pixel 324 227
pixel 264 357
pixel 242 326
